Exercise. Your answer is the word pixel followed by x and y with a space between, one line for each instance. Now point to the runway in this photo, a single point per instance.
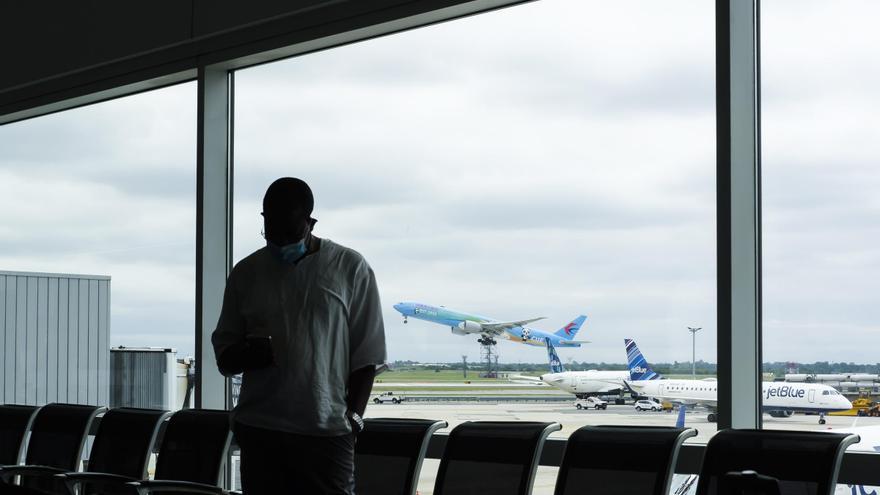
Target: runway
pixel 571 419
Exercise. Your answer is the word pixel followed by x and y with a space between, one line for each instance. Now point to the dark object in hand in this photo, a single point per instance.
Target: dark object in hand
pixel 252 354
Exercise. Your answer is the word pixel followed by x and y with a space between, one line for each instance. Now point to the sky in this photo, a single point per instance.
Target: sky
pixel 552 159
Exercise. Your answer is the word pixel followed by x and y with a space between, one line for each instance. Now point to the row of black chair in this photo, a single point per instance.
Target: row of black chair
pixel 192 452
pixel 489 458
pixel 500 458
pixel 480 458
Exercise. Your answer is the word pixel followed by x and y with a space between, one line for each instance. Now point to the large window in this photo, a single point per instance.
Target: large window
pixel 107 190
pixel 820 151
pixel 543 160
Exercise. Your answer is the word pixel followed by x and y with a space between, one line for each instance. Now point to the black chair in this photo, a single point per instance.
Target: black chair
pixel 641 457
pixel 58 434
pixel 389 455
pixel 492 458
pixel 191 458
pixel 122 447
pixel 15 422
pixel 802 462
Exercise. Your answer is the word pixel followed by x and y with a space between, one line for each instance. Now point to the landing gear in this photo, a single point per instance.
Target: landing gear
pixel 404 320
pixel 821 418
pixel 487 341
pixel 712 418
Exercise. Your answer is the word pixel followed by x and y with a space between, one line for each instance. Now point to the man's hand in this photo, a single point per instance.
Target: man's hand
pixel 357 423
pixel 252 354
pixel 259 354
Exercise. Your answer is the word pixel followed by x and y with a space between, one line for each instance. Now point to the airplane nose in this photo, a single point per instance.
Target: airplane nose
pixel 398 307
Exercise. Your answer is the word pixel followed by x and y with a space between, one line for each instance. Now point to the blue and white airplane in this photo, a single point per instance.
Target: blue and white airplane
pixel 780 399
pixel 515 331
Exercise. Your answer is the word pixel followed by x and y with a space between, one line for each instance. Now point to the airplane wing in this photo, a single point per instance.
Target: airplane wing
pixel 531 379
pixel 499 326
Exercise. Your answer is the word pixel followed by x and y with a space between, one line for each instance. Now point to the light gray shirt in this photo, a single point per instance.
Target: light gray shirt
pixel 325 320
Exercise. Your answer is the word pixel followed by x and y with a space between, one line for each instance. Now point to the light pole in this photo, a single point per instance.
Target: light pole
pixel 694 350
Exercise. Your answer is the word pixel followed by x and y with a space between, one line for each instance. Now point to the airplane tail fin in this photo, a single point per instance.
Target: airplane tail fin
pixel 569 331
pixel 682 409
pixel 553 358
pixel 639 369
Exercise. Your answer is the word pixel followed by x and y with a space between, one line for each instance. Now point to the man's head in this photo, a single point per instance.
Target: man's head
pixel 287 210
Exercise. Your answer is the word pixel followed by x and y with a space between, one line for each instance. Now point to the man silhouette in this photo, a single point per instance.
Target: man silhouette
pixel 302 321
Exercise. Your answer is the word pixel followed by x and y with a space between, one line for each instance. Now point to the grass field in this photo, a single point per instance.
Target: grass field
pixel 404 376
pixel 431 376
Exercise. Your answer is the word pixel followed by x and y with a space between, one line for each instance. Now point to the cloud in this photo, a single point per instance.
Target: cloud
pixel 550 159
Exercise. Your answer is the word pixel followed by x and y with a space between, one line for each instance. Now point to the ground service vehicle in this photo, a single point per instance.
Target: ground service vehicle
pixel 647 405
pixel 387 397
pixel 590 402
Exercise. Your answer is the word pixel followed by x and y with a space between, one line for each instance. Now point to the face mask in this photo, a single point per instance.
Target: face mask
pixel 289 253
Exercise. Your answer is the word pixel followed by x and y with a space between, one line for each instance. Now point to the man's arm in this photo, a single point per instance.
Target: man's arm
pixel 234 350
pixel 367 333
pixel 360 384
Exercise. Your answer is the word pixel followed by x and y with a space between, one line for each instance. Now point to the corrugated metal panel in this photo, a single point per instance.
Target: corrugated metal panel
pixel 55 334
pixel 143 378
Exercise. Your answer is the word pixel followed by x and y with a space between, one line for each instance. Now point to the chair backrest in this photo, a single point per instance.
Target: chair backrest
pixel 492 458
pixel 389 454
pixel 194 446
pixel 58 434
pixel 124 441
pixel 15 422
pixel 641 458
pixel 804 462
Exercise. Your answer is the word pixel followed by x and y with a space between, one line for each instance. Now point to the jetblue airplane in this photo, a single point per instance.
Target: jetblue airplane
pixel 780 399
pixel 516 331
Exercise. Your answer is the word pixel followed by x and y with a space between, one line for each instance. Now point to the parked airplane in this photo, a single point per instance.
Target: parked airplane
pixel 780 399
pixel 580 383
pixel 516 331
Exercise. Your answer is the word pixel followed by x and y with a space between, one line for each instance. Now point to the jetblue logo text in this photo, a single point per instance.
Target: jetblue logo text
pixel 639 369
pixel 784 391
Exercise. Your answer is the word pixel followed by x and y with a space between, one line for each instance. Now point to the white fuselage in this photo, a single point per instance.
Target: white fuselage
pixel 776 396
pixel 586 382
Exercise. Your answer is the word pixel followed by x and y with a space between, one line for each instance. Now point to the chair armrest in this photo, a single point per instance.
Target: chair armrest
pixel 147 487
pixel 74 480
pixel 9 472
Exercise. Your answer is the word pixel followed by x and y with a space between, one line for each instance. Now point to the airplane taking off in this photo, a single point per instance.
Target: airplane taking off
pixel 780 399
pixel 515 331
pixel 581 383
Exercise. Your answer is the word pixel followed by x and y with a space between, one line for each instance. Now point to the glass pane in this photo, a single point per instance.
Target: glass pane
pixel 105 190
pixel 553 159
pixel 821 261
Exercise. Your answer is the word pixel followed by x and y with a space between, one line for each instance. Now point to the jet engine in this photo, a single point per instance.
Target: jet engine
pixel 468 326
pixel 779 414
pixel 458 331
